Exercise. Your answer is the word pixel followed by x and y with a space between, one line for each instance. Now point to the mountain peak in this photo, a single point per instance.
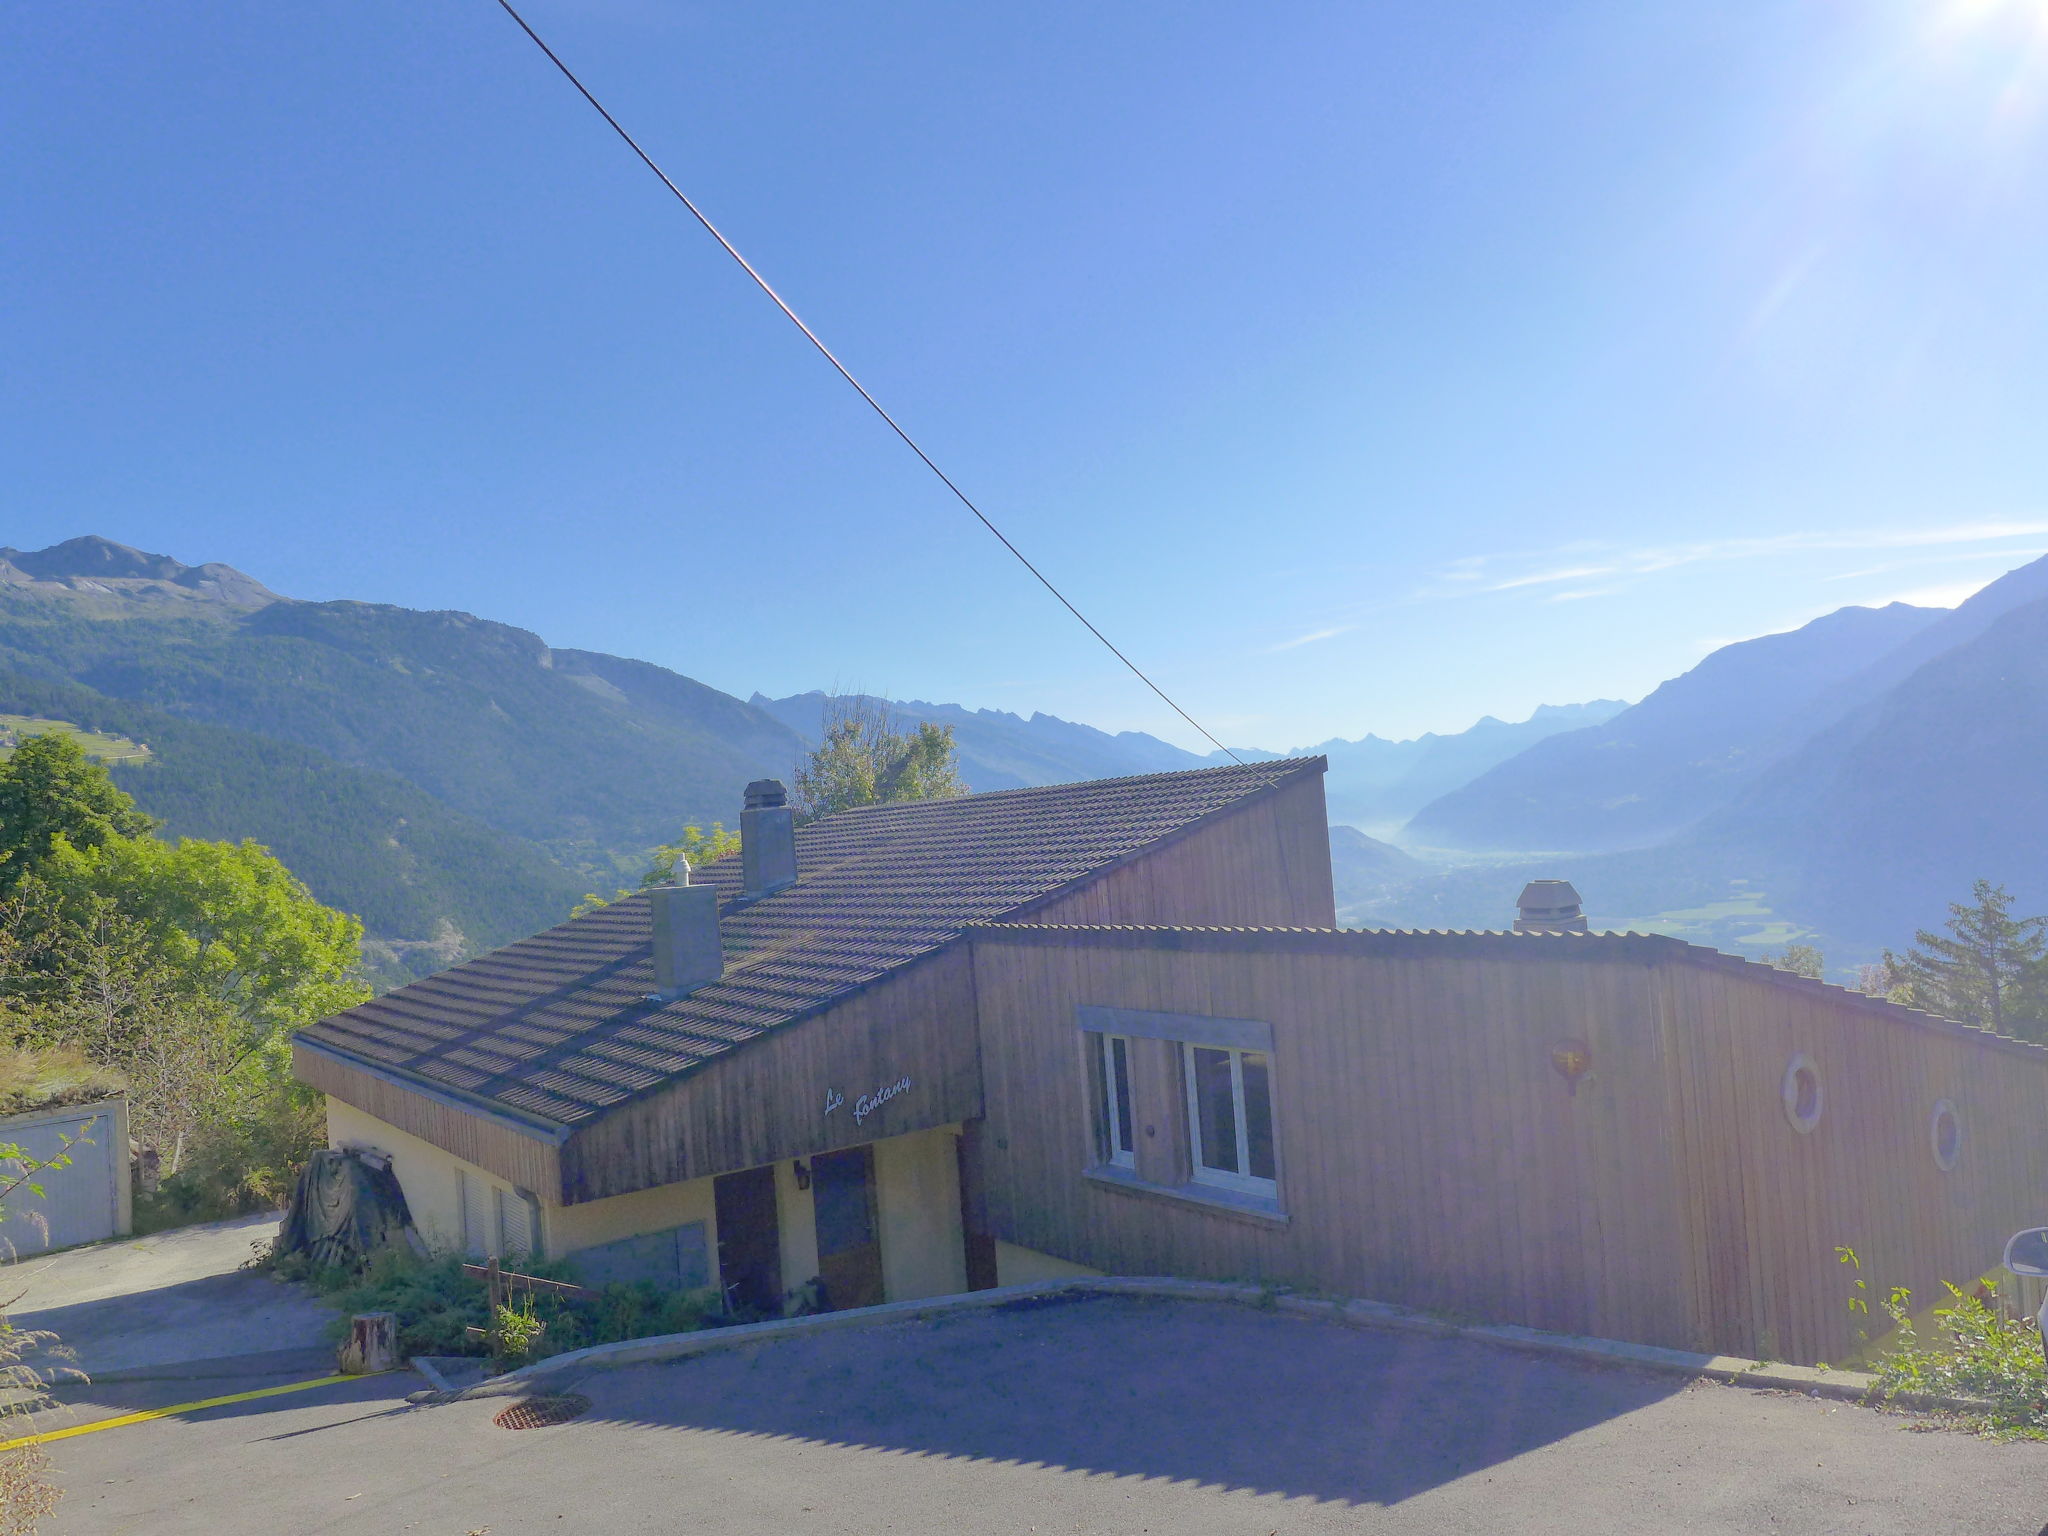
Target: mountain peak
pixel 95 567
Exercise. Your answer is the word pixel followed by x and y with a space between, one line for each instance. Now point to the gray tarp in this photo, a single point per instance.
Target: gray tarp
pixel 344 1208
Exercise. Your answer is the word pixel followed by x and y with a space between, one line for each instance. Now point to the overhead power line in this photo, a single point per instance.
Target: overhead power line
pixel 846 374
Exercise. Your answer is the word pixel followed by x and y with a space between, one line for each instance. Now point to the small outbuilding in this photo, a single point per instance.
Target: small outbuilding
pixel 90 1197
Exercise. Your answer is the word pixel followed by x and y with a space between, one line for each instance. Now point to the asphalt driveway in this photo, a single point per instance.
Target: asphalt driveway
pixel 176 1304
pixel 1090 1415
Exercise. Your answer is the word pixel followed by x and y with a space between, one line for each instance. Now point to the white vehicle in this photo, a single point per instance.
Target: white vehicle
pixel 2026 1253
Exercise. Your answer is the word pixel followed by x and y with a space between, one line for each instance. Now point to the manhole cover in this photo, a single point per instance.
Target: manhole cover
pixel 537 1412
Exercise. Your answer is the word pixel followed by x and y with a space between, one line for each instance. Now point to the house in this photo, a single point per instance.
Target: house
pixel 1112 1026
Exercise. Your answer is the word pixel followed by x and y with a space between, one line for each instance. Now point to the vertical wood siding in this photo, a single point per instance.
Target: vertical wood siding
pixel 1769 1206
pixel 1432 1154
pixel 766 1100
pixel 1264 863
pixel 526 1161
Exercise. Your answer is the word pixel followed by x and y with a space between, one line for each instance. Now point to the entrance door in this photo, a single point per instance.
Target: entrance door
pixel 849 1241
pixel 749 1241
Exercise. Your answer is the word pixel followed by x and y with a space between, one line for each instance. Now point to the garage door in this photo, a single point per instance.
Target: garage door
pixel 81 1203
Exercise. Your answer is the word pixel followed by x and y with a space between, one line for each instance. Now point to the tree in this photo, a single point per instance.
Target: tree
pixel 863 761
pixel 227 920
pixel 1800 960
pixel 1989 969
pixel 693 850
pixel 50 790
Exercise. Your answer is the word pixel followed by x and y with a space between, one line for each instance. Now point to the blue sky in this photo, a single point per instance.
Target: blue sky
pixel 1356 367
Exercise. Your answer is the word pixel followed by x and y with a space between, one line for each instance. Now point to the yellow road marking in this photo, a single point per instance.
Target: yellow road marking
pixel 165 1413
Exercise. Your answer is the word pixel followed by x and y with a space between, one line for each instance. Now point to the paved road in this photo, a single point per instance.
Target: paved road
pixel 1103 1415
pixel 176 1305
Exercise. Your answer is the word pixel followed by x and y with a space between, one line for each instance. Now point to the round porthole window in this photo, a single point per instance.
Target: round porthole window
pixel 1945 1133
pixel 1802 1093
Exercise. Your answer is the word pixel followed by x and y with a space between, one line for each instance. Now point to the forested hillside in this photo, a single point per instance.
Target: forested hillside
pixel 366 841
pixel 419 769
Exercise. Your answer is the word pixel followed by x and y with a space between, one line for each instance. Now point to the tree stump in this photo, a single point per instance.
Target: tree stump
pixel 372 1344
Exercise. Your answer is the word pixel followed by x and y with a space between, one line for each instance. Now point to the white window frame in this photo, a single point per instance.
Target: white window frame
pixel 1115 1154
pixel 1219 1178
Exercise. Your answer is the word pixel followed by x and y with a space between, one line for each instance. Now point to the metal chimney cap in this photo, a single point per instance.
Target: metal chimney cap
pixel 764 794
pixel 1548 896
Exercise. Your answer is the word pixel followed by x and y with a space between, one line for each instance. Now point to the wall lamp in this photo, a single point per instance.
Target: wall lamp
pixel 803 1173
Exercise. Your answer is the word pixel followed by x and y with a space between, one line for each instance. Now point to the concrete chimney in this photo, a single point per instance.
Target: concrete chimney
pixel 767 840
pixel 1549 906
pixel 687 951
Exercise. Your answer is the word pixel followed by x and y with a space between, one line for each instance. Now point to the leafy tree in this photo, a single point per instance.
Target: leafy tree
pixel 50 791
pixel 862 760
pixel 693 850
pixel 1800 960
pixel 226 920
pixel 1988 969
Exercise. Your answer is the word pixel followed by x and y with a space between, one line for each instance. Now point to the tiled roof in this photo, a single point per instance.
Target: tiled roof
pixel 557 1027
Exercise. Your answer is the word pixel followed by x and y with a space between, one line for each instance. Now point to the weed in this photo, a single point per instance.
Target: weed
pixel 1978 1351
pixel 1981 1352
pixel 517 1331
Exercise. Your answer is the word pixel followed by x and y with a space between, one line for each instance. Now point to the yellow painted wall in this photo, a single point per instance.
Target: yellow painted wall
pixel 917 1198
pixel 430 1177
pixel 798 1219
pixel 1027 1266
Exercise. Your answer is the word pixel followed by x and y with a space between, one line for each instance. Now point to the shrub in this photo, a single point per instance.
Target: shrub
pixel 1980 1352
pixel 26 1491
pixel 436 1304
pixel 245 1161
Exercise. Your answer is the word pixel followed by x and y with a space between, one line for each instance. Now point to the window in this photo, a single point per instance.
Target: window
pixel 1230 1118
pixel 1111 1072
pixel 1946 1136
pixel 1802 1093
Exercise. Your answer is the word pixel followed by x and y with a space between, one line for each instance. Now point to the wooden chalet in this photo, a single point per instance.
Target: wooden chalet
pixel 1112 1027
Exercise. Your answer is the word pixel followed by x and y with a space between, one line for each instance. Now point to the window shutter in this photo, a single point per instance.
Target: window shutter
pixel 515 1225
pixel 479 1222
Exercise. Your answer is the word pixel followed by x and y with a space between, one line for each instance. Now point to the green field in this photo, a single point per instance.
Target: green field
pixel 98 746
pixel 1743 920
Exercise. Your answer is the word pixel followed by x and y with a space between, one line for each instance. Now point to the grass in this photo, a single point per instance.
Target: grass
pixel 95 744
pixel 51 1079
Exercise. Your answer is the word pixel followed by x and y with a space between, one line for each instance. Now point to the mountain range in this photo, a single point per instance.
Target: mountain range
pixel 1373 783
pixel 458 782
pixel 1839 783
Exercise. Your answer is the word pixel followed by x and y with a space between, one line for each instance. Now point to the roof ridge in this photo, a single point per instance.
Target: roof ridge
pixel 1280 765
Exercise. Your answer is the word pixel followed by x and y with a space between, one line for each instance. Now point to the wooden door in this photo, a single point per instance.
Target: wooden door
pixel 849 1238
pixel 749 1241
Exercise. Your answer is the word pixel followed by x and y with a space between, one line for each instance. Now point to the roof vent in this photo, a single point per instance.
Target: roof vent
pixel 688 953
pixel 767 840
pixel 1549 906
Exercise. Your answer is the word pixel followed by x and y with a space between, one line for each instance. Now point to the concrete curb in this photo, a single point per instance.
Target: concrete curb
pixel 1810 1381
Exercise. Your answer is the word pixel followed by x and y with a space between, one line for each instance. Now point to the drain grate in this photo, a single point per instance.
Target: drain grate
pixel 539 1412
